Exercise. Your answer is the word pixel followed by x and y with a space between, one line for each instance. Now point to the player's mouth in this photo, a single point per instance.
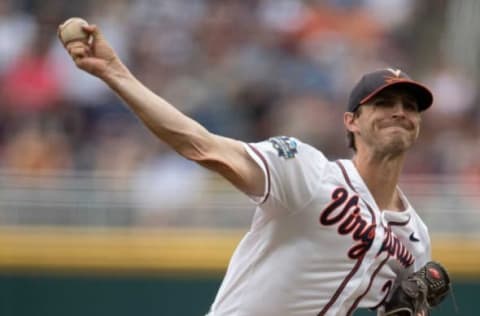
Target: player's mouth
pixel 398 125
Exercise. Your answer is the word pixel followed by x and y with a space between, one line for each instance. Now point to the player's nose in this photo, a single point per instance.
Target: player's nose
pixel 398 109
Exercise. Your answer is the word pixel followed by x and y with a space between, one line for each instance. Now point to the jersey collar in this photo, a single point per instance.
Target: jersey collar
pixel 361 188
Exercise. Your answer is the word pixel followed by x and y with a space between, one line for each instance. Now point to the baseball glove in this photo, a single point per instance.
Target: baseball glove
pixel 419 292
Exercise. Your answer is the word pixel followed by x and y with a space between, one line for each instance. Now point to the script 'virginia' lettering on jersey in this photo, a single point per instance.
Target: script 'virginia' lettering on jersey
pixel 397 249
pixel 344 211
pixel 286 146
pixel 349 221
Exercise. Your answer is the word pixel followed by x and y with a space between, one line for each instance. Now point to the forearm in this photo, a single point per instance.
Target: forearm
pixel 226 156
pixel 182 133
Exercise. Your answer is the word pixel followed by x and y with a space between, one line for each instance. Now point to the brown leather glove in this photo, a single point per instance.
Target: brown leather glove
pixel 420 291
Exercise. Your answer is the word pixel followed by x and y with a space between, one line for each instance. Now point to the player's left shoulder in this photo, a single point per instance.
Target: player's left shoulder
pixel 419 237
pixel 417 220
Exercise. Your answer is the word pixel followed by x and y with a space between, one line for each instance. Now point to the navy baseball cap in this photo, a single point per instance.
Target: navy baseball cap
pixel 373 83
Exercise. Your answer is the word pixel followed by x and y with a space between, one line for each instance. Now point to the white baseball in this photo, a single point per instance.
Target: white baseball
pixel 71 30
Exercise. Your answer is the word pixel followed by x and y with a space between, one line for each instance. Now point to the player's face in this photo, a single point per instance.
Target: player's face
pixel 389 123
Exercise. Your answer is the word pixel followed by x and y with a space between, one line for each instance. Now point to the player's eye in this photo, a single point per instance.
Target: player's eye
pixel 410 105
pixel 381 102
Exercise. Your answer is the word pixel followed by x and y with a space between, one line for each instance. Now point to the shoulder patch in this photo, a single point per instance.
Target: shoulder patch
pixel 286 146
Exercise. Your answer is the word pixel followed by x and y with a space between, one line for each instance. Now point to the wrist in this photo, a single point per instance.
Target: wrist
pixel 116 74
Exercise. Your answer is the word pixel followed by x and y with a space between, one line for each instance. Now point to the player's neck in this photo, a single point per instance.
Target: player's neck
pixel 381 175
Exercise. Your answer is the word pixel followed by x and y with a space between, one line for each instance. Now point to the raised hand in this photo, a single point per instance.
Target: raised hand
pixel 95 56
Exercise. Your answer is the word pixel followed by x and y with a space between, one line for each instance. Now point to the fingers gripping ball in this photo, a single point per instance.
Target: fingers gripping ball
pixel 71 30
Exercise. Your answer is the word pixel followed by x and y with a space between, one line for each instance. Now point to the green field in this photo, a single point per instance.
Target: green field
pixel 48 271
pixel 30 295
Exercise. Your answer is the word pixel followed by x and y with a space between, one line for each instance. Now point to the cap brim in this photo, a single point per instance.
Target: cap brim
pixel 421 93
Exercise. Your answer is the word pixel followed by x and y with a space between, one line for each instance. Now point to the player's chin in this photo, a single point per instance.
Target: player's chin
pixel 397 144
pixel 400 145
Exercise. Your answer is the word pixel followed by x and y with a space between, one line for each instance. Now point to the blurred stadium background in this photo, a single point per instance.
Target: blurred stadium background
pixel 97 217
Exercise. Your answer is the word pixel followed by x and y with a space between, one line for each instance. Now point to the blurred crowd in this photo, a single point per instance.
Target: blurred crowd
pixel 248 69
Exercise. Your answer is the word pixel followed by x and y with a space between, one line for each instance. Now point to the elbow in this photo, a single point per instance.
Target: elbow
pixel 192 153
pixel 202 148
pixel 197 149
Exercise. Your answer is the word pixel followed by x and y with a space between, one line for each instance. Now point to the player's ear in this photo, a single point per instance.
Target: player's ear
pixel 350 122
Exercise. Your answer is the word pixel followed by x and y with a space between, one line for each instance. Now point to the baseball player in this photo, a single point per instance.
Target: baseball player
pixel 327 237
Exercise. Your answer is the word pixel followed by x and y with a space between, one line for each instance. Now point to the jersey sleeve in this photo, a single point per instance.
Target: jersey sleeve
pixel 293 170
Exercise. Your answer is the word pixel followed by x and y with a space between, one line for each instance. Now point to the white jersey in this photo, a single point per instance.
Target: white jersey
pixel 318 244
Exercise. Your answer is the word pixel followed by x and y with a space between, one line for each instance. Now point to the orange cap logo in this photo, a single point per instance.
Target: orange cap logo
pixel 396 75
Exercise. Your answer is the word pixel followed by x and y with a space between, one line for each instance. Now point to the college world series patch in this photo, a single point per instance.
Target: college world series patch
pixel 286 146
